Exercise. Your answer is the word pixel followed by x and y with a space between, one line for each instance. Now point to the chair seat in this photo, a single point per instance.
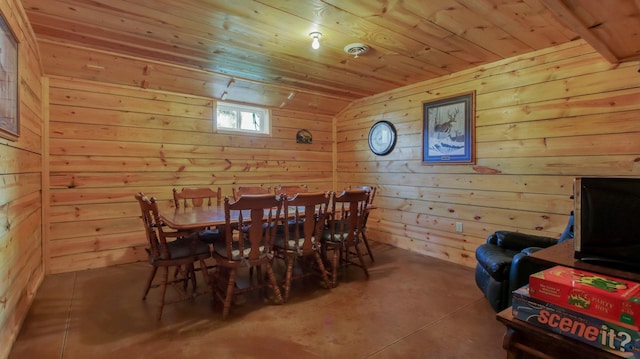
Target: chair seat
pixel 495 260
pixel 292 223
pixel 210 236
pixel 279 242
pixel 338 237
pixel 220 248
pixel 181 248
pixel 340 232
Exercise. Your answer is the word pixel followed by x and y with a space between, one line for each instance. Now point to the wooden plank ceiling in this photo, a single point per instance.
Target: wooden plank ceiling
pixel 265 45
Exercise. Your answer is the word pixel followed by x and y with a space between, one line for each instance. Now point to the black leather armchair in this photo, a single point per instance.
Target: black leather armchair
pixel 504 264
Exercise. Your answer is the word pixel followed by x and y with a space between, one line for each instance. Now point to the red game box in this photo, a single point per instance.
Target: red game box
pixel 590 293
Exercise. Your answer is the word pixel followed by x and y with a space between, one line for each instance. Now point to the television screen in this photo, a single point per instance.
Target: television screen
pixel 607 215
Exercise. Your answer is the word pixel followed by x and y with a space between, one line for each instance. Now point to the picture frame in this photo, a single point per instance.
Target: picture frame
pixel 449 130
pixel 9 92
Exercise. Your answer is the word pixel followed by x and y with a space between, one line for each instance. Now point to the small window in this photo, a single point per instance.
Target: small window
pixel 241 118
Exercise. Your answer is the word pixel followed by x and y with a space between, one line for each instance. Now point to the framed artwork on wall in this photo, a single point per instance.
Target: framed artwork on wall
pixel 9 102
pixel 449 130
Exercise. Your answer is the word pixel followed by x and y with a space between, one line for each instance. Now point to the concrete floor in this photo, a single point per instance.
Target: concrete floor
pixel 413 306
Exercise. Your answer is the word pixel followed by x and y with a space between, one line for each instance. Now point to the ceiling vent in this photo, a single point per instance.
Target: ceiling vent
pixel 356 49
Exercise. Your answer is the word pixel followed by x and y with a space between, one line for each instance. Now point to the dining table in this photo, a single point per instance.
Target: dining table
pixel 193 218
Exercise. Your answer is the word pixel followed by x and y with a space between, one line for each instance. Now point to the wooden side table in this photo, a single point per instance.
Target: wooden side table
pixel 523 340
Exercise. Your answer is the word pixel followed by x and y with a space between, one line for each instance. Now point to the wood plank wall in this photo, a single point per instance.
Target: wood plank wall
pixel 108 142
pixel 21 167
pixel 541 120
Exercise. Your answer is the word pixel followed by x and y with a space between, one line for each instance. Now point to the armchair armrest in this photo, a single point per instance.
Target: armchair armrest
pixel 522 267
pixel 530 250
pixel 519 241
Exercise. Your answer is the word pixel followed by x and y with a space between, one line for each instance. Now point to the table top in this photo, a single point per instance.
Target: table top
pixel 563 254
pixel 187 218
pixel 191 218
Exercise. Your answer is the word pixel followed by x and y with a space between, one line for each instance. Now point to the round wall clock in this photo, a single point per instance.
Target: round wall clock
pixel 382 138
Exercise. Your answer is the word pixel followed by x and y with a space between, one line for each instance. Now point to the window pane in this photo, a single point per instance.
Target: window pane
pixel 227 118
pixel 250 121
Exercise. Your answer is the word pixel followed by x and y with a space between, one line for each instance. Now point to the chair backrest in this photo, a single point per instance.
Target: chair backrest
pixel 372 195
pixel 196 196
pixel 257 215
pixel 370 189
pixel 310 209
pixel 291 190
pixel 149 209
pixel 348 211
pixel 243 190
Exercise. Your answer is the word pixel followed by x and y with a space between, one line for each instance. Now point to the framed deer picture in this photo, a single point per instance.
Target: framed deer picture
pixel 449 130
pixel 9 120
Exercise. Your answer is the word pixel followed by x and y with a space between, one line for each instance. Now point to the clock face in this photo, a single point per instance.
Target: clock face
pixel 382 138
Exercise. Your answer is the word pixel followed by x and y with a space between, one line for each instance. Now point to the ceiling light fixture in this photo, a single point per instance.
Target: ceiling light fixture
pixel 315 36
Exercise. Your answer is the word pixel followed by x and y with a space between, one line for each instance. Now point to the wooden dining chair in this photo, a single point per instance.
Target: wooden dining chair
pixel 302 243
pixel 242 190
pixel 167 250
pixel 372 195
pixel 344 231
pixel 372 192
pixel 291 190
pixel 248 244
pixel 198 197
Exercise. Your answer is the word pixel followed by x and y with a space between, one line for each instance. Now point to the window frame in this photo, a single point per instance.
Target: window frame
pixel 265 112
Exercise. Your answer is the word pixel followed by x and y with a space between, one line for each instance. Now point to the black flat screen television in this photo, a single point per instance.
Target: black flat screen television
pixel 607 221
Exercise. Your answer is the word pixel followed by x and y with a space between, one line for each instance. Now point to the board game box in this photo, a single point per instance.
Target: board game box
pixel 594 294
pixel 617 338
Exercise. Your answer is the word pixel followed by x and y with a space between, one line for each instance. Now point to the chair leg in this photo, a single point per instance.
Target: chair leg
pixel 149 281
pixel 163 289
pixel 274 284
pixel 366 244
pixel 289 259
pixel 343 263
pixel 322 269
pixel 361 259
pixel 205 274
pixel 259 277
pixel 190 275
pixel 229 296
pixel 335 265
